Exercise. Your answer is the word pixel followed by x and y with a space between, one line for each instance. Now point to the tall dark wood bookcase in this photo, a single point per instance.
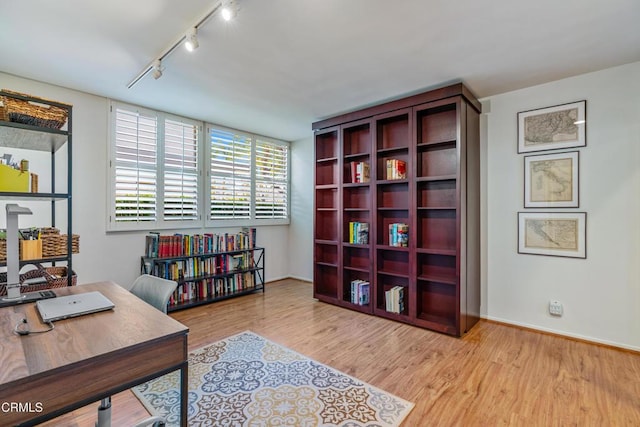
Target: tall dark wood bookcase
pixel 435 135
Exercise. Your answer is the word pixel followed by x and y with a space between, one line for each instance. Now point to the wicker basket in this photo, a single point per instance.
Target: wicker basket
pixel 55 277
pixel 32 112
pixel 56 245
pixel 53 244
pixel 3 112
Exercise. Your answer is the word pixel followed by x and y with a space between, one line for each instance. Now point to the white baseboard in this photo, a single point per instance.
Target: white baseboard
pixel 563 333
pixel 302 279
pixel 275 279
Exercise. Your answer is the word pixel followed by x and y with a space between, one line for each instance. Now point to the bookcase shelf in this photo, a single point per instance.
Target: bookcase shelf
pixel 356 156
pixel 208 277
pixel 391 150
pixel 451 252
pixel 355 184
pixel 327 160
pixel 327 264
pixel 327 242
pixel 424 229
pixel 359 269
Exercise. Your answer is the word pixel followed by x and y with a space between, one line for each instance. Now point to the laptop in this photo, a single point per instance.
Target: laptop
pixel 73 305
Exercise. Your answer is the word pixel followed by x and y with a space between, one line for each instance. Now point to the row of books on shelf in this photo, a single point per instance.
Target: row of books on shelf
pixel 394 299
pixel 360 292
pixel 359 172
pixel 396 169
pixel 359 233
pixel 198 267
pixel 212 288
pixel 161 246
pixel 398 235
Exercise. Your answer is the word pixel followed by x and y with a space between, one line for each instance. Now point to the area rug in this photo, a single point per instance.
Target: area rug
pixel 247 380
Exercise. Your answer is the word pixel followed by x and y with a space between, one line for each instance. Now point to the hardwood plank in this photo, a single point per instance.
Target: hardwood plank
pixel 495 375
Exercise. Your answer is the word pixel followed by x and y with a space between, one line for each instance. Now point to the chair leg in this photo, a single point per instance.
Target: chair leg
pixel 104 413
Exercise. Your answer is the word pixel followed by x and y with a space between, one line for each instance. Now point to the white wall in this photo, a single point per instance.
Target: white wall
pixel 601 294
pixel 113 256
pixel 301 228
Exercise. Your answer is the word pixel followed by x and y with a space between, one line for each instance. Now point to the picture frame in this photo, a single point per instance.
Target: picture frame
pixel 552 128
pixel 551 180
pixel 561 234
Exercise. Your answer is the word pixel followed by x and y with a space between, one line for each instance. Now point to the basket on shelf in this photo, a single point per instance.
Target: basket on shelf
pixel 3 112
pixel 54 244
pixel 53 277
pixel 32 112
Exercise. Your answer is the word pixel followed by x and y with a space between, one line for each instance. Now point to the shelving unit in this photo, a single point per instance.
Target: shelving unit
pixel 326 221
pixel 48 140
pixel 436 136
pixel 209 277
pixel 356 207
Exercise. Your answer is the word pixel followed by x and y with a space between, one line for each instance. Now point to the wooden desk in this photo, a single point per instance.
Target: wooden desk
pixel 87 358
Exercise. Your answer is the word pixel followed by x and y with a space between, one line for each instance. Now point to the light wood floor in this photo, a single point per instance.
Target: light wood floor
pixel 496 375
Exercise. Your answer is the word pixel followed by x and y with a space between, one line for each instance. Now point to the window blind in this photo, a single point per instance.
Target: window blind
pixel 271 180
pixel 230 171
pixel 180 171
pixel 135 175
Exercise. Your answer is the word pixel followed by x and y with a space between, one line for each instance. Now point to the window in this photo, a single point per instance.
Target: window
pixel 155 164
pixel 180 171
pixel 249 179
pixel 135 175
pixel 230 171
pixel 154 170
pixel 272 180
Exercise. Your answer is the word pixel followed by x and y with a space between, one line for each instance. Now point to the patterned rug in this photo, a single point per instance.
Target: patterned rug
pixel 247 380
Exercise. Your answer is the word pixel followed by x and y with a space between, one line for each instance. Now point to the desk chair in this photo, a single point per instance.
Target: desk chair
pixel 156 292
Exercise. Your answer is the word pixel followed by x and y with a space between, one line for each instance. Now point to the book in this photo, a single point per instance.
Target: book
pixel 401 169
pixel 394 299
pixel 359 233
pixel 398 235
pixel 396 169
pixel 365 176
pixel 363 234
pixel 359 172
pixel 166 246
pixel 360 292
pixel 403 235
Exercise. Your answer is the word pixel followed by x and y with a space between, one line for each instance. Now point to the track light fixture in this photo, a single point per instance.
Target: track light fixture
pixel 191 39
pixel 157 69
pixel 228 9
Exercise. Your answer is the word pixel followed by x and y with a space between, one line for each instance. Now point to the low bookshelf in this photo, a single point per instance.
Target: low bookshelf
pixel 207 267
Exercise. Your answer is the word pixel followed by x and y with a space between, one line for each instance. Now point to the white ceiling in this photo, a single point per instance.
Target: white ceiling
pixel 283 64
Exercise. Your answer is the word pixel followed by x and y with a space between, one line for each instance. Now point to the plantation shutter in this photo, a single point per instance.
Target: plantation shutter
pixel 271 180
pixel 230 170
pixel 136 150
pixel 180 171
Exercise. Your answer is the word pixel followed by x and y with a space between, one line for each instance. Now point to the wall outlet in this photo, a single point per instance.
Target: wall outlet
pixel 555 308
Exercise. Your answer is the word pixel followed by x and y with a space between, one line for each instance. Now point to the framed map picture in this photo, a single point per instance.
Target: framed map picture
pixel 551 180
pixel 555 234
pixel 552 128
